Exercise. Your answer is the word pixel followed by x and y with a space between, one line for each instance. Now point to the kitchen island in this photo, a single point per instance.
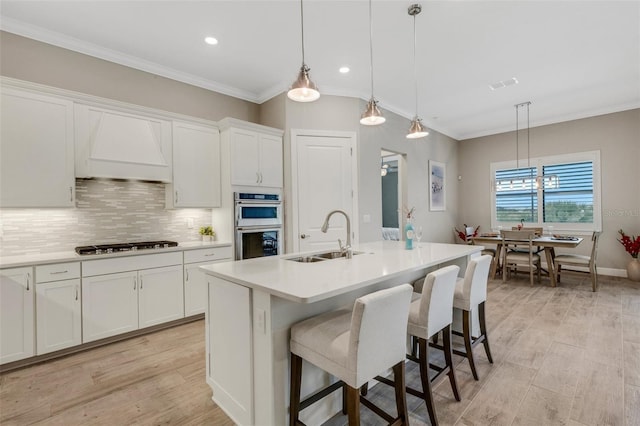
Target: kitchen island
pixel 253 303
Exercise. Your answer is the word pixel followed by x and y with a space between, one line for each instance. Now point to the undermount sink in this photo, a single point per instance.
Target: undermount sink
pixel 319 257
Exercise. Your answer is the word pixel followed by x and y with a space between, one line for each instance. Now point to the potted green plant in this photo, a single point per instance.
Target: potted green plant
pixel 207 233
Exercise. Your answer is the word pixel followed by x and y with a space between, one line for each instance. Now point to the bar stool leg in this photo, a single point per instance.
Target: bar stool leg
pixel 446 338
pixel 353 406
pixel 401 395
pixel 483 331
pixel 423 357
pixel 466 326
pixel 296 381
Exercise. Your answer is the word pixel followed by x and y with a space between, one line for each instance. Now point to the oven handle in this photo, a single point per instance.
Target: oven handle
pixel 259 228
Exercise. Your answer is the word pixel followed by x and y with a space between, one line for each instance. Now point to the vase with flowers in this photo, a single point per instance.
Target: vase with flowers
pixel 409 232
pixel 632 246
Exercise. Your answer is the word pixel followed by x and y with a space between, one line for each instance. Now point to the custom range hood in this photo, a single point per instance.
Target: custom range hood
pixel 120 145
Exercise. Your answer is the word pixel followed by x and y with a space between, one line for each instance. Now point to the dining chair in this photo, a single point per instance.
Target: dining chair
pixel 581 261
pixel 535 229
pixel 518 251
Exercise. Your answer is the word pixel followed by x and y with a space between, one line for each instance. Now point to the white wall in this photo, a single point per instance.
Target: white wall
pixel 617 136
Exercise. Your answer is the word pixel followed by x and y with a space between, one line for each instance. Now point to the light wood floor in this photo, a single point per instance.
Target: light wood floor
pixel 563 356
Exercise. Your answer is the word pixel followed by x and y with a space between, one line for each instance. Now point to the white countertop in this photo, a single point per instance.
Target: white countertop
pixel 311 282
pixel 72 256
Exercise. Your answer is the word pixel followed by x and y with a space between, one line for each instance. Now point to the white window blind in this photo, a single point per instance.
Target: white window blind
pixel 571 203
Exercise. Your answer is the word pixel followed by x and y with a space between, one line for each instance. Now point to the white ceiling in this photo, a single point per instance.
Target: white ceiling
pixel 573 59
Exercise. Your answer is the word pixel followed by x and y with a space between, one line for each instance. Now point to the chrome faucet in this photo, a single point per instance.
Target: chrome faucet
pixel 325 226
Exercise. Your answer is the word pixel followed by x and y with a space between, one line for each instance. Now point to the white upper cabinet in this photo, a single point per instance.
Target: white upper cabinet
pixel 119 144
pixel 255 153
pixel 196 166
pixel 36 150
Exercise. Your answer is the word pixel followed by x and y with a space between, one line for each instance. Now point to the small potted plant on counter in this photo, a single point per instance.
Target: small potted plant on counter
pixel 207 233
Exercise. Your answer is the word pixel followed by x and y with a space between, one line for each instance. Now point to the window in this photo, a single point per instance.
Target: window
pixel 561 191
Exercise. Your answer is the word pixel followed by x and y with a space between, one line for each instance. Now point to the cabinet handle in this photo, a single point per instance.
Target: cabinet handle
pixel 28 279
pixel 257 177
pixel 176 197
pixel 260 177
pixel 140 283
pixel 76 292
pixel 187 275
pixel 59 272
pixel 209 254
pixel 71 193
pixel 135 283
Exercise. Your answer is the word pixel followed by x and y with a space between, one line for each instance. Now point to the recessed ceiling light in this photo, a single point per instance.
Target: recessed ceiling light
pixel 504 83
pixel 344 70
pixel 211 40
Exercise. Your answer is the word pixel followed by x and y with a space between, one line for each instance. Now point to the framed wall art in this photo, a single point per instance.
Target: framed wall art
pixel 437 186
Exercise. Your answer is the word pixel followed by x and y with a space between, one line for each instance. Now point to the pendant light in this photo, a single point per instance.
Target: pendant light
pixel 532 182
pixel 372 115
pixel 303 89
pixel 416 130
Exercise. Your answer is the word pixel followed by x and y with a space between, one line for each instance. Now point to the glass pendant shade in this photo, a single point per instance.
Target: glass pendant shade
pixel 417 130
pixel 372 115
pixel 303 89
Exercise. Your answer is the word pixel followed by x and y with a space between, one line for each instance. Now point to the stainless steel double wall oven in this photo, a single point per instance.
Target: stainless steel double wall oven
pixel 258 225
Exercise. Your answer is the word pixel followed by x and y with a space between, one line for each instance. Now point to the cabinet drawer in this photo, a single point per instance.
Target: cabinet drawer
pixel 57 272
pixel 130 263
pixel 210 254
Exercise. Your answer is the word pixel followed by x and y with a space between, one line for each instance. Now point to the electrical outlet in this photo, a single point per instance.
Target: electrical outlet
pixel 190 223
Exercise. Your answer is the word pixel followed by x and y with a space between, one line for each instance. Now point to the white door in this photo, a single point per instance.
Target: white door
pixel 161 295
pixel 58 315
pixel 323 176
pixel 17 334
pixel 109 305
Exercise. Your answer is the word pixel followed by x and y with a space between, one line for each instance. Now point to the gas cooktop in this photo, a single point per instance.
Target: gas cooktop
pixel 116 248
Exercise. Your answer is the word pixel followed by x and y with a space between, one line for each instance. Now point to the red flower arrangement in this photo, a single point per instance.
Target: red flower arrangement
pixel 463 234
pixel 631 244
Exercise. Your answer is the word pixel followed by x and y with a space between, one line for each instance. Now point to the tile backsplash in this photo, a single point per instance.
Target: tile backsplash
pixel 107 211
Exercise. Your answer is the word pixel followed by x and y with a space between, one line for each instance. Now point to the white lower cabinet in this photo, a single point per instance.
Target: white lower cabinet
pixel 160 296
pixel 148 294
pixel 109 305
pixel 17 331
pixel 58 307
pixel 195 280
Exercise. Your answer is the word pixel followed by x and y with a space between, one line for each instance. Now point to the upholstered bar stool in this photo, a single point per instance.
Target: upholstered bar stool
pixel 354 346
pixel 471 294
pixel 432 312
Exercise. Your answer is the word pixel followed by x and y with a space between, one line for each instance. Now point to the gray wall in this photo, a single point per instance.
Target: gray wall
pixel 617 136
pixel 343 114
pixel 38 62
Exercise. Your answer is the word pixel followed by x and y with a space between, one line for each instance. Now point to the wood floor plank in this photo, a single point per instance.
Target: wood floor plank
pixel 538 335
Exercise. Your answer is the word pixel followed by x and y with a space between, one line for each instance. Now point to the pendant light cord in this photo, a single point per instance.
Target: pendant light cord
pixel 415 67
pixel 517 139
pixel 371 47
pixel 302 27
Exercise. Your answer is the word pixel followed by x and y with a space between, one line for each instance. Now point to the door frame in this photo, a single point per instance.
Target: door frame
pixel 353 140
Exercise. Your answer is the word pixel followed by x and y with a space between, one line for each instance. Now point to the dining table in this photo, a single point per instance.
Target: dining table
pixel 548 243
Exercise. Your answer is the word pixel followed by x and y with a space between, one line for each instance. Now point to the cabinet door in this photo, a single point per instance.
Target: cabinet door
pixel 109 305
pixel 245 166
pixel 271 161
pixel 58 320
pixel 17 337
pixel 196 166
pixel 36 150
pixel 161 297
